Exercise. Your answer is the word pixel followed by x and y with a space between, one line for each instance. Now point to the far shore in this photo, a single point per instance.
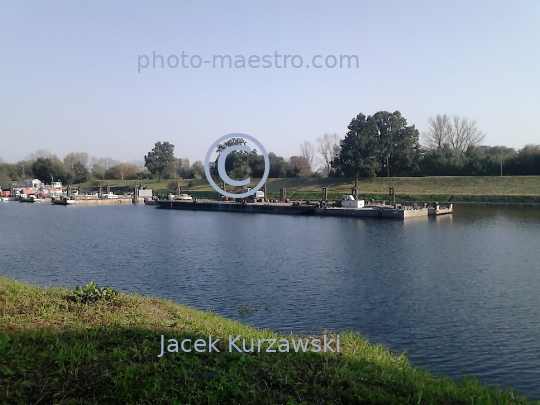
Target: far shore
pixel 505 190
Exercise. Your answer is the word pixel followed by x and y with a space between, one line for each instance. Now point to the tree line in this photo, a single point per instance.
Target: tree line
pixel 382 144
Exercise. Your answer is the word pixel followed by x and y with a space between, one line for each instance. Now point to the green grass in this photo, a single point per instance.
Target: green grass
pixel 55 349
pixel 507 189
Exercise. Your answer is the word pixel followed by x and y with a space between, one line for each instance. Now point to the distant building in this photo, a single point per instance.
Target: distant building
pixel 145 193
pixel 33 183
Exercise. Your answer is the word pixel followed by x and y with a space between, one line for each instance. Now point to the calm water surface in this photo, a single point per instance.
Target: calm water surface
pixel 460 294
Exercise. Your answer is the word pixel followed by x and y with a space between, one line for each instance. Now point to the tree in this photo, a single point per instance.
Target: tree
pixel 307 151
pixel 378 145
pixel 197 169
pixel 278 166
pixel 100 165
pixel 458 133
pixel 465 135
pixel 159 157
pixel 237 161
pixel 230 142
pixel 256 164
pixel 439 132
pixel 71 158
pixel 40 153
pixel 48 170
pixel 80 172
pixel 298 167
pixel 356 158
pixel 328 147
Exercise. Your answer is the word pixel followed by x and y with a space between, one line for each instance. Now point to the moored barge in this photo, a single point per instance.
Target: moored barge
pixel 229 206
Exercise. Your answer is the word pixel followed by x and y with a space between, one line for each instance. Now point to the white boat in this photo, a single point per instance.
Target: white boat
pixel 181 197
pixel 30 198
pixel 348 201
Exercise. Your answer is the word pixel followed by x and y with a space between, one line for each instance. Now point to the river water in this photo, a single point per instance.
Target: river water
pixel 459 293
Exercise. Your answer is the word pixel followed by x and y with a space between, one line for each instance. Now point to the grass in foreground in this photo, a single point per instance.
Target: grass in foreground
pixel 55 349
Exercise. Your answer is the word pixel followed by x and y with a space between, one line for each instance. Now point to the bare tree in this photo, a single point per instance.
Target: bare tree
pixel 439 132
pixel 40 153
pixel 328 147
pixel 308 152
pixel 71 158
pixel 456 133
pixel 465 135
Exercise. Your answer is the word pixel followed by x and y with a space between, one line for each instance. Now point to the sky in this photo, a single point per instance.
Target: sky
pixel 72 75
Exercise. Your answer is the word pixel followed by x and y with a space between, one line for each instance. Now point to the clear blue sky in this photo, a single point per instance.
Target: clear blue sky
pixel 69 78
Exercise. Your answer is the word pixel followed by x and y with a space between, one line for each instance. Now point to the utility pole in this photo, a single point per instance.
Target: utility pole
pixel 501 165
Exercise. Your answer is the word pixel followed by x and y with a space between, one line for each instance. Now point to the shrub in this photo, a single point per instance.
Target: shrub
pixel 92 293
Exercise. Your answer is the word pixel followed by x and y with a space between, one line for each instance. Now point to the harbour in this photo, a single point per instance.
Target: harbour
pixel 350 205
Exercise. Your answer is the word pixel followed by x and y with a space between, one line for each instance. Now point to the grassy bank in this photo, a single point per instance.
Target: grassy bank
pixel 507 189
pixel 55 349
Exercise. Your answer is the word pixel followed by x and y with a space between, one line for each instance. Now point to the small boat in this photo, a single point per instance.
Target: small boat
pixel 348 201
pixel 183 197
pixel 150 201
pixel 62 201
pixel 441 209
pixel 30 198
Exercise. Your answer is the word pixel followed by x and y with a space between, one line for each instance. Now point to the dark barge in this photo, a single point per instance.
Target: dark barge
pixel 230 206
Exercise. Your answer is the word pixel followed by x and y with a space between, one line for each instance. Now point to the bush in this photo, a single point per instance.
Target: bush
pixel 92 293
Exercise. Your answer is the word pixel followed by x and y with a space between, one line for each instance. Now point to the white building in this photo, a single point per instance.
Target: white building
pixel 33 183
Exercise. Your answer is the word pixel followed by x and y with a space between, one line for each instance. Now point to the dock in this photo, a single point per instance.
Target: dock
pixel 91 200
pixel 230 206
pixel 376 211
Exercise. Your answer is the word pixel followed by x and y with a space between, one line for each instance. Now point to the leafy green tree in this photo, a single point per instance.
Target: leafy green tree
pixel 159 158
pixel 80 172
pixel 278 166
pixel 48 170
pixel 237 161
pixel 197 170
pixel 379 145
pixel 356 157
pixel 256 164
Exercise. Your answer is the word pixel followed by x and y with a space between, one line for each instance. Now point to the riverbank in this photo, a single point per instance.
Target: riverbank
pixel 492 189
pixel 57 349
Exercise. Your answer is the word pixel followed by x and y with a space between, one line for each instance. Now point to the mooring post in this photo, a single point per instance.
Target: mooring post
pixel 100 192
pixel 392 196
pixel 135 194
pixel 283 194
pixel 325 193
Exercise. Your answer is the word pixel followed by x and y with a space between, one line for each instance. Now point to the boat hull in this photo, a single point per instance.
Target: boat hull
pixel 63 202
pixel 372 212
pixel 282 209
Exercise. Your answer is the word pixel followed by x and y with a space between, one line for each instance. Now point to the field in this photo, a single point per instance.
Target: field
pixel 516 189
pixel 58 349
